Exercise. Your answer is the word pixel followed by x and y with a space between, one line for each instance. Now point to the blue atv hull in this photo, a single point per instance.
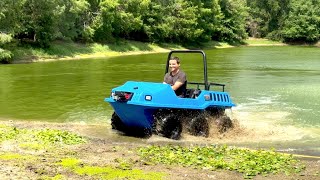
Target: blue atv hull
pixel 145 98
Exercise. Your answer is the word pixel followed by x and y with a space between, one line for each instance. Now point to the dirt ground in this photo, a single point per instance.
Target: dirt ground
pixel 106 147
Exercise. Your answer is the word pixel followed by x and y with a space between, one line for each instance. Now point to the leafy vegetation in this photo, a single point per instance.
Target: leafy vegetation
pixel 248 162
pixel 39 138
pixel 5 55
pixel 39 22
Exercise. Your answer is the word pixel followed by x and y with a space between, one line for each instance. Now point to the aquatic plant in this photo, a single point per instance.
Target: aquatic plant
pixel 7 133
pixel 39 138
pixel 248 162
pixel 58 136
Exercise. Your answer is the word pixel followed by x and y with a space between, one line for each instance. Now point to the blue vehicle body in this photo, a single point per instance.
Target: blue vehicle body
pixel 155 106
pixel 138 111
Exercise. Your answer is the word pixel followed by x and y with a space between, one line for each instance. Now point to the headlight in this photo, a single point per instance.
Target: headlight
pixel 148 98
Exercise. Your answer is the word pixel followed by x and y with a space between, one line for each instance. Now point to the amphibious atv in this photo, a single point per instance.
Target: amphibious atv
pixel 143 108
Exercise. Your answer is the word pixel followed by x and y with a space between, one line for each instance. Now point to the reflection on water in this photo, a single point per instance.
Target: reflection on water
pixel 276 90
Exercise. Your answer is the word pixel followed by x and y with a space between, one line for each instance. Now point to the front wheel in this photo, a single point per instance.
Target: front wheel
pixel 116 123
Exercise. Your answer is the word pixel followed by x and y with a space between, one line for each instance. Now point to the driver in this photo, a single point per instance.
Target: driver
pixel 176 77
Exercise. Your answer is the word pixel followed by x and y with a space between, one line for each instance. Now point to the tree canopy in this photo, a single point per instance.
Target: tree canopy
pixel 39 22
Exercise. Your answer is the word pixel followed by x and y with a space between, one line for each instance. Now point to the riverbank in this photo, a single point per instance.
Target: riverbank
pixel 37 150
pixel 60 50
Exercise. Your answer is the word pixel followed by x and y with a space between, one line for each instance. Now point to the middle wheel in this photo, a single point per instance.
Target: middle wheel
pixel 199 126
pixel 168 125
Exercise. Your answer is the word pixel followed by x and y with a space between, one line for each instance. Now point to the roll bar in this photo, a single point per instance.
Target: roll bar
pixel 205 73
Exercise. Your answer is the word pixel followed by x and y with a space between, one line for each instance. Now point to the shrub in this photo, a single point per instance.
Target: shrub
pixel 5 56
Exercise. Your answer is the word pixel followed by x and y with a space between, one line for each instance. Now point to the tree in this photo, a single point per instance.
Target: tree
pixel 40 21
pixel 303 23
pixel 11 16
pixel 267 17
pixel 73 19
pixel 233 21
pixel 117 19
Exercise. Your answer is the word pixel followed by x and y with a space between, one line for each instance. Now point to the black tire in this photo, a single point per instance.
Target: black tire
pixel 170 126
pixel 224 123
pixel 117 124
pixel 156 128
pixel 199 126
pixel 138 132
pixel 158 118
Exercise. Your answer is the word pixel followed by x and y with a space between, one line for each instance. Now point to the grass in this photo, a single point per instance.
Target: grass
pixel 10 156
pixel 71 50
pixel 107 172
pixel 62 50
pixel 259 41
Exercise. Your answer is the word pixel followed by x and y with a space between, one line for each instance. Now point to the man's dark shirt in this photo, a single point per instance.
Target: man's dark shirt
pixel 181 77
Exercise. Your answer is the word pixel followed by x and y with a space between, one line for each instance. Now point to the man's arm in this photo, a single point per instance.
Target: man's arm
pixel 176 85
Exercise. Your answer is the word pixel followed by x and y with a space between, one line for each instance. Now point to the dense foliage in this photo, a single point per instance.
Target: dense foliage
pixel 303 22
pixel 248 162
pixel 287 20
pixel 39 22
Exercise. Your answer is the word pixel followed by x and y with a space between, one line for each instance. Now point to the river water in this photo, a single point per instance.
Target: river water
pixel 276 90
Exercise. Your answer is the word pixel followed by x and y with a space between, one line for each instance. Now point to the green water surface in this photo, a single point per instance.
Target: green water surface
pixel 261 80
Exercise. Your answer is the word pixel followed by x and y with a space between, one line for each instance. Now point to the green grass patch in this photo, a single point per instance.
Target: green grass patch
pixel 108 172
pixel 60 49
pixel 259 41
pixel 52 136
pixel 69 162
pixel 12 156
pixel 38 139
pixel 248 162
pixel 67 50
pixel 8 133
pixel 70 50
pixel 56 177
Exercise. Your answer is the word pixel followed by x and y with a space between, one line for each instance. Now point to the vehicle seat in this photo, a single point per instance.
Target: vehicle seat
pixel 192 93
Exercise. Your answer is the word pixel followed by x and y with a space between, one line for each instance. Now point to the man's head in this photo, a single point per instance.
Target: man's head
pixel 174 64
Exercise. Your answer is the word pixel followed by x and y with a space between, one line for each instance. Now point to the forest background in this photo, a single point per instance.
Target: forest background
pixel 40 23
